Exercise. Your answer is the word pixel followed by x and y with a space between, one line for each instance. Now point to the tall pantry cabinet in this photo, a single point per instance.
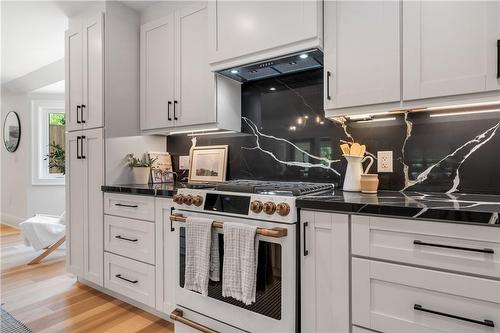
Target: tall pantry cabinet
pixel 99 44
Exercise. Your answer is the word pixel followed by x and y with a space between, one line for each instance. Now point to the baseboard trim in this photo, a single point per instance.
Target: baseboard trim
pixel 125 299
pixel 11 220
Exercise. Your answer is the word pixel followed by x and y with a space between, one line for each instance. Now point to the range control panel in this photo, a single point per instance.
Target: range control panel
pixel 262 207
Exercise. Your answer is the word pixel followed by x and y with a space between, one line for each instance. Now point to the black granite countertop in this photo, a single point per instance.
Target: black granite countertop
pixel 464 208
pixel 161 190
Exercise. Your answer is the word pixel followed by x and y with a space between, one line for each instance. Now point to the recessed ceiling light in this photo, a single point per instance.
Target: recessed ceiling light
pixel 303 56
pixel 306 117
pixel 272 89
pixel 234 71
pixel 293 63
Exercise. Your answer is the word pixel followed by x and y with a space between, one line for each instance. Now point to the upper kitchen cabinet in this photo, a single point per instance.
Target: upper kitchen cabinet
pixel 179 92
pixel 85 75
pixel 243 32
pixel 361 55
pixel 157 73
pixel 450 48
pixel 102 69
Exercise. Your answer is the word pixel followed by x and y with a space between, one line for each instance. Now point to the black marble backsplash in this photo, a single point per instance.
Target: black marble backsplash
pixel 285 136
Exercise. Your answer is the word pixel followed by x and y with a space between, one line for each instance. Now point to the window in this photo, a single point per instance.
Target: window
pixel 48 136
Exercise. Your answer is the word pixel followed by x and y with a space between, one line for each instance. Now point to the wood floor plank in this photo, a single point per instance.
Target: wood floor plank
pixel 47 299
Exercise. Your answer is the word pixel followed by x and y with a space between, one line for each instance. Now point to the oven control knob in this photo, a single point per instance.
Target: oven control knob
pixel 197 200
pixel 256 206
pixel 188 199
pixel 283 209
pixel 178 199
pixel 269 207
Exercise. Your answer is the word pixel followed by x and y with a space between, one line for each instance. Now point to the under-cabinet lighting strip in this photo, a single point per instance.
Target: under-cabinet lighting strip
pixel 449 114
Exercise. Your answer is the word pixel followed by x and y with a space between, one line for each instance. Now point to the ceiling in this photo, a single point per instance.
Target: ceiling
pixel 32 33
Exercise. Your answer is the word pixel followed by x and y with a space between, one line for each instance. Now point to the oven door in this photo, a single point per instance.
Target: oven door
pixel 275 306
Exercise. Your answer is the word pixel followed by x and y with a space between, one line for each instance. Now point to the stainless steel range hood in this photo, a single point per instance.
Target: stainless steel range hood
pixel 291 63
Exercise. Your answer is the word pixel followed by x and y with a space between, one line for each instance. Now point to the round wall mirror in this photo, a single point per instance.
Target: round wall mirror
pixel 11 131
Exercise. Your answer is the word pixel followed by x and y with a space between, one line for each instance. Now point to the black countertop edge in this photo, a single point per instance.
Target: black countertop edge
pixel 428 207
pixel 159 190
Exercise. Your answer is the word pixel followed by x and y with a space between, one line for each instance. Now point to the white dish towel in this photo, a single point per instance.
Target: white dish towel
pixel 239 272
pixel 198 243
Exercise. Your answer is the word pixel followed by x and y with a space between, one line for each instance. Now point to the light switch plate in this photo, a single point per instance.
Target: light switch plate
pixel 384 161
pixel 184 162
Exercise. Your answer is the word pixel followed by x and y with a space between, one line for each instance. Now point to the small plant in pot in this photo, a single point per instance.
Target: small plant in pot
pixel 141 168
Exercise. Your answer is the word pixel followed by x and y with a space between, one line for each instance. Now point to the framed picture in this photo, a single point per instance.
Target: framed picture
pixel 161 170
pixel 208 164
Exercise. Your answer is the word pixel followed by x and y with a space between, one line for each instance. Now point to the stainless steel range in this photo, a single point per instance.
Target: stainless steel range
pixel 271 207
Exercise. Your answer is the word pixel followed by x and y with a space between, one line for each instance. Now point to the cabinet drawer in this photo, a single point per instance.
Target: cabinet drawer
pixel 132 206
pixel 130 238
pixel 458 247
pixel 130 278
pixel 396 298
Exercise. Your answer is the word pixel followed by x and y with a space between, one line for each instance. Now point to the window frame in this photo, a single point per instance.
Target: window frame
pixel 40 110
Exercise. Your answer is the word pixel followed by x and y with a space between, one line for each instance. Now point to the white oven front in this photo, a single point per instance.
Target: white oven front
pixel 275 306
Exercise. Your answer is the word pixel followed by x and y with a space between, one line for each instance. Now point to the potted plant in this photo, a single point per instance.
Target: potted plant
pixel 141 168
pixel 56 158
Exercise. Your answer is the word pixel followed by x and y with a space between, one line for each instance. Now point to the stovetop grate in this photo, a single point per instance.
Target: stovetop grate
pixel 272 187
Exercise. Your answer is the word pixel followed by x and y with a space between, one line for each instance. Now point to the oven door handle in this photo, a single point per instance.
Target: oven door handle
pixel 178 315
pixel 276 232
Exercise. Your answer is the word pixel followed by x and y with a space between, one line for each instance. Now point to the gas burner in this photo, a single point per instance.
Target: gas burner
pixel 273 187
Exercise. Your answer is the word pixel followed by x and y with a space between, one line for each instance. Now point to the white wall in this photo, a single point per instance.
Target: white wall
pixel 19 198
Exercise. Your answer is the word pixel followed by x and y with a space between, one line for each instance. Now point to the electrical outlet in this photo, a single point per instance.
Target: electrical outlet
pixel 384 161
pixel 184 162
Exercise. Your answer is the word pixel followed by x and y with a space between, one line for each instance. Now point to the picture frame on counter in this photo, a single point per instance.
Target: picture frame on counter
pixel 162 169
pixel 208 164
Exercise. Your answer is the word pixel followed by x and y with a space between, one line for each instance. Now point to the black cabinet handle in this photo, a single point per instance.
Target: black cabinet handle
pixel 121 277
pixel 78 147
pixel 83 107
pixel 124 205
pixel 78 114
pixel 485 322
pixel 168 110
pixel 81 146
pixel 328 75
pixel 172 229
pixel 306 252
pixel 175 116
pixel 126 239
pixel 498 59
pixel 485 250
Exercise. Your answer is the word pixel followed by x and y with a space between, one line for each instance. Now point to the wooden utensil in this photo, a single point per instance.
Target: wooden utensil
pixel 355 149
pixel 363 151
pixel 345 149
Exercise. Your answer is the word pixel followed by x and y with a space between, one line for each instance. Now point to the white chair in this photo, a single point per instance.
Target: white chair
pixel 45 232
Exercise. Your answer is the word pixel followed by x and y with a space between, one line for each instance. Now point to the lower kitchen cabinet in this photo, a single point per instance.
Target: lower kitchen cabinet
pixel 84 205
pixel 166 263
pixel 130 278
pixel 389 297
pixel 324 252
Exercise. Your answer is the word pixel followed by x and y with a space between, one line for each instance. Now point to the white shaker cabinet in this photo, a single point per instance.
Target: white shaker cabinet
pixel 84 204
pixel 166 263
pixel 242 32
pixel 178 88
pixel 157 73
pixel 324 252
pixel 194 81
pixel 450 48
pixel 361 54
pixel 85 73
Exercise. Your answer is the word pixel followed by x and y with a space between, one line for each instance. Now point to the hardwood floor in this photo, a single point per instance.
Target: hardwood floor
pixel 47 299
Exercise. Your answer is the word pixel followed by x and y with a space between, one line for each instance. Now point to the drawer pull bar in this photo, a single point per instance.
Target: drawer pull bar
pixel 485 250
pixel 274 232
pixel 125 279
pixel 485 322
pixel 127 239
pixel 177 315
pixel 124 205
